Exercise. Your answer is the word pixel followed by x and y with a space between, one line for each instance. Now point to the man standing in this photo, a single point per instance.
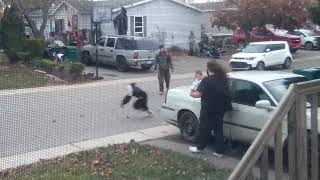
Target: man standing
pixel 163 60
pixel 214 93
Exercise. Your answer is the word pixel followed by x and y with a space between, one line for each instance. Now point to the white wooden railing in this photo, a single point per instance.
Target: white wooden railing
pixel 303 161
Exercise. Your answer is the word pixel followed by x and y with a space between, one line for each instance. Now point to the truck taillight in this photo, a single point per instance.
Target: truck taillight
pixel 136 55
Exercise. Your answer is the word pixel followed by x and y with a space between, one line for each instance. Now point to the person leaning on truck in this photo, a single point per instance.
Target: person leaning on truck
pixel 164 62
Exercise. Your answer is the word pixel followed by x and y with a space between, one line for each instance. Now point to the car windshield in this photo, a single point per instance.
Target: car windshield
pixel 310 33
pixel 131 44
pixel 255 48
pixel 278 88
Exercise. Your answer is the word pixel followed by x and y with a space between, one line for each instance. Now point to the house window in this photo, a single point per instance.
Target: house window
pixel 138 26
pixel 59 25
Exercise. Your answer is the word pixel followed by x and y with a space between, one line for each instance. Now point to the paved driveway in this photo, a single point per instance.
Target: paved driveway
pixel 188 64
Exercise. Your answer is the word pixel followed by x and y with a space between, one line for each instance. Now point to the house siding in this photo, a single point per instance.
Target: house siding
pixel 168 22
pixel 84 21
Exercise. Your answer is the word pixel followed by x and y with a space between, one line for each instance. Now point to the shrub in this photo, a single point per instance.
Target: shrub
pixel 34 47
pixel 12 32
pixel 12 55
pixel 61 68
pixel 175 49
pixel 76 69
pixel 47 66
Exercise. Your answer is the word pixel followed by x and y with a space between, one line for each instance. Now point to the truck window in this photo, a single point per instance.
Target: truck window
pixel 111 42
pixel 101 42
pixel 133 44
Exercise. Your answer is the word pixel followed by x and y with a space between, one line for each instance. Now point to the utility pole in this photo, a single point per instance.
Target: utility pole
pixel 95 30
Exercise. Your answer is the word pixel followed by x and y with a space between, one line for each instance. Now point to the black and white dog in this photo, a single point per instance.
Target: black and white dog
pixel 142 99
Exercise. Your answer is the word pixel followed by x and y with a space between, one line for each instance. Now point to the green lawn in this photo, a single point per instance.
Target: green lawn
pixel 126 161
pixel 20 79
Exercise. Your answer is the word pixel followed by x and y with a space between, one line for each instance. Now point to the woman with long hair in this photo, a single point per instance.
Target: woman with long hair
pixel 214 93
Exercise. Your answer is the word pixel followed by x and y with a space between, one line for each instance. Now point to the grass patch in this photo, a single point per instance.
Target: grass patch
pixel 125 161
pixel 11 79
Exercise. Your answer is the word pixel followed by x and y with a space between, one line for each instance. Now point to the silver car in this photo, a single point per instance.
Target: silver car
pixel 255 94
pixel 122 52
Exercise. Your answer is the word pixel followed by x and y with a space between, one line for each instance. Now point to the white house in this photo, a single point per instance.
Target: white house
pixel 168 21
pixel 66 16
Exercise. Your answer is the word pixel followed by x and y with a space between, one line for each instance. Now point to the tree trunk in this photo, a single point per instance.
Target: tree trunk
pixel 44 22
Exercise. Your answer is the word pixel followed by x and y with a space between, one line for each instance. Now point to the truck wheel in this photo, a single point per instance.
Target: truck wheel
pixel 189 127
pixel 293 50
pixel 260 66
pixel 122 65
pixel 308 45
pixel 146 67
pixel 86 58
pixel 287 63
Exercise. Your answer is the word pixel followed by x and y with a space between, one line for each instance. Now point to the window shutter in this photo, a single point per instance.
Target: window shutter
pixel 132 25
pixel 145 26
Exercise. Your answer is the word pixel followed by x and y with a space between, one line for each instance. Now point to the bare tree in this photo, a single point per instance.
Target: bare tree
pixel 26 7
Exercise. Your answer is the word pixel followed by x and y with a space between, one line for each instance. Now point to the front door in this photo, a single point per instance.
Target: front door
pixel 279 52
pixel 101 43
pixel 109 51
pixel 270 56
pixel 245 119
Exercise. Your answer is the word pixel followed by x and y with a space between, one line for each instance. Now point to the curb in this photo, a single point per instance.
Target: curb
pixel 55 152
pixel 94 84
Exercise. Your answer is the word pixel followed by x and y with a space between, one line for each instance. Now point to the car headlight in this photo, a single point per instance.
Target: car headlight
pixel 250 58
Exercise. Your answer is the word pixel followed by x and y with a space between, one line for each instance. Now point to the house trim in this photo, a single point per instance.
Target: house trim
pixel 148 1
pixel 142 26
pixel 64 2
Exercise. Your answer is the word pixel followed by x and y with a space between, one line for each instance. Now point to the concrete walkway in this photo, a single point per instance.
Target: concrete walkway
pixel 59 151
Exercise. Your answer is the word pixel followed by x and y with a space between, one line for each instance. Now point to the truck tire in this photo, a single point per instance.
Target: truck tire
pixel 146 67
pixel 122 64
pixel 86 58
pixel 308 45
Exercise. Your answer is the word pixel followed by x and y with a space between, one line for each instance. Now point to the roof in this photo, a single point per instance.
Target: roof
pixel 259 77
pixel 208 6
pixel 55 8
pixel 148 1
pixel 269 42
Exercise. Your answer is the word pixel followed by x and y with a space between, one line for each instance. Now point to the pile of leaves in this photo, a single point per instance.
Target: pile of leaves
pixel 124 161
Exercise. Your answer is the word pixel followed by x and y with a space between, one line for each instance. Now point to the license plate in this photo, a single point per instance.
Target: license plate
pixel 149 62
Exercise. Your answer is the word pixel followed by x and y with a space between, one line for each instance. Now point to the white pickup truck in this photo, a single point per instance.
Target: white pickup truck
pixel 122 52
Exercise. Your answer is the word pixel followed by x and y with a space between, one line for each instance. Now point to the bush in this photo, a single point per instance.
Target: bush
pixel 34 47
pixel 47 66
pixel 12 32
pixel 76 69
pixel 175 49
pixel 12 55
pixel 61 68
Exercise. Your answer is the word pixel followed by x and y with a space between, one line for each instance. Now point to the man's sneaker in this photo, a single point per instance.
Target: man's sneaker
pixel 218 155
pixel 161 93
pixel 194 149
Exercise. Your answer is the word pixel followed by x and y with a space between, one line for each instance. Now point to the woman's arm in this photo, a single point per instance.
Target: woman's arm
pixel 196 94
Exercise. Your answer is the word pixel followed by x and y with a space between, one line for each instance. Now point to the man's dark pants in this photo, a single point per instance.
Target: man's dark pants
pixel 164 75
pixel 209 122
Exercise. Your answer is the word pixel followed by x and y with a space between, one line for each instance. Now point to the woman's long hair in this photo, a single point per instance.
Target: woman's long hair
pixel 219 72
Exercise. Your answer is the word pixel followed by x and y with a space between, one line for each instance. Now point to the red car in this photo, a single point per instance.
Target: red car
pixel 258 35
